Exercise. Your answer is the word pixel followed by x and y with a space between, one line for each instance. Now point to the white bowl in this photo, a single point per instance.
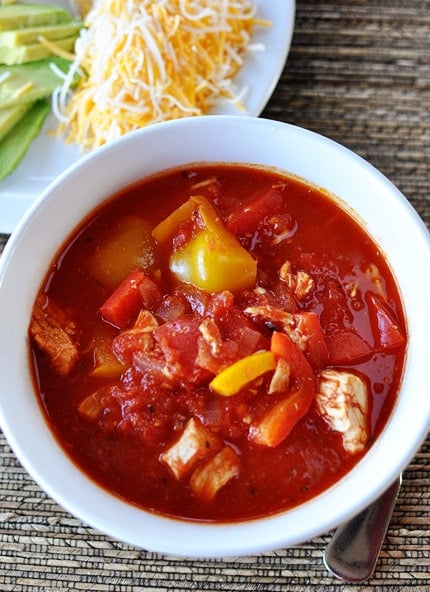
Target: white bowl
pixel 389 218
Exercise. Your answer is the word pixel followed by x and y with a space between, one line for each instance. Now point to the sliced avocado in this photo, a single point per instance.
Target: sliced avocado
pixel 17 16
pixel 15 144
pixel 10 116
pixel 26 83
pixel 30 53
pixel 30 35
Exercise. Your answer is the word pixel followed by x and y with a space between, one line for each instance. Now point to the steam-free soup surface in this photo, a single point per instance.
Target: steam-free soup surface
pixel 218 343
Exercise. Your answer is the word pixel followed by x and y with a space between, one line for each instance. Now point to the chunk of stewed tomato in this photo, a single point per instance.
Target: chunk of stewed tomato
pixel 347 347
pixel 386 330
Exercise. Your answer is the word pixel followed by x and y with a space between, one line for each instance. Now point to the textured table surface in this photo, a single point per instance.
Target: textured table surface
pixel 358 72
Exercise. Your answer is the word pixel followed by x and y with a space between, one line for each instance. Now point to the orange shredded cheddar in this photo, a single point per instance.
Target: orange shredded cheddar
pixel 148 61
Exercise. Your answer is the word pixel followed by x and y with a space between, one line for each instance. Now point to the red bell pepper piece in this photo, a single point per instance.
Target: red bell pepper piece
pixel 124 303
pixel 308 325
pixel 244 218
pixel 279 420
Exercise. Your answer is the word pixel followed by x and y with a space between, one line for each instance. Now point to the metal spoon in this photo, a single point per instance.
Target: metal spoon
pixel 353 551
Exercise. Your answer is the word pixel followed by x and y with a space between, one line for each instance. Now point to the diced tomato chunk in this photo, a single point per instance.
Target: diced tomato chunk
pixel 386 330
pixel 178 341
pixel 220 304
pixel 128 343
pixel 347 347
pixel 244 218
pixel 125 302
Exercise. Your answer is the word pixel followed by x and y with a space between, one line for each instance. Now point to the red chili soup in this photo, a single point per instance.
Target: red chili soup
pixel 218 342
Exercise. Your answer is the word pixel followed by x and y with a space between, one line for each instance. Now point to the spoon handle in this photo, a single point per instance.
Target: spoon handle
pixel 353 551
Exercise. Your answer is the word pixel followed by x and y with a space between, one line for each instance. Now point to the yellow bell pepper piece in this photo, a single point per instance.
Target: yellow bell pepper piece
pixel 213 260
pixel 235 377
pixel 165 229
pixel 108 369
pixel 123 248
pixel 106 365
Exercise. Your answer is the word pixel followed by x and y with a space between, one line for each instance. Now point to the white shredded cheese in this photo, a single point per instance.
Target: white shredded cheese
pixel 23 89
pixel 148 61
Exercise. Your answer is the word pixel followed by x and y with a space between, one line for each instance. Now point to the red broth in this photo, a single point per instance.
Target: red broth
pixel 314 294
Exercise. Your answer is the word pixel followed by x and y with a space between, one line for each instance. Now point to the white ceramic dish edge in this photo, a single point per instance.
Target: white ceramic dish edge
pixel 289 144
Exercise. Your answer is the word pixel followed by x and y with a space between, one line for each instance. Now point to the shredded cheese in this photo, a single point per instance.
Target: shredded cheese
pixel 24 89
pixel 147 61
pixel 55 49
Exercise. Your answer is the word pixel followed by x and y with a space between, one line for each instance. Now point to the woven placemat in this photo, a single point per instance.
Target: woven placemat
pixel 358 72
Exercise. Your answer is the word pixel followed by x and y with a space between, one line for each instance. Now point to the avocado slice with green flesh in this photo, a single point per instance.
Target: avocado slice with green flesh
pixel 17 16
pixel 10 116
pixel 30 35
pixel 31 53
pixel 17 141
pixel 26 83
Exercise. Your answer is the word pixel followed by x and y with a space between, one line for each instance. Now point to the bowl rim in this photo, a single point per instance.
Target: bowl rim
pixel 202 539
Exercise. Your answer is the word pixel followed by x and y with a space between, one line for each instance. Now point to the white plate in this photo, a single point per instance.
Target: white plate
pixel 48 156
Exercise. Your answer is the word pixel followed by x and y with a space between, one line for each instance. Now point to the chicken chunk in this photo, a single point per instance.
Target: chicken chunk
pixel 285 321
pixel 213 474
pixel 55 335
pixel 342 400
pixel 281 377
pixel 301 283
pixel 194 444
